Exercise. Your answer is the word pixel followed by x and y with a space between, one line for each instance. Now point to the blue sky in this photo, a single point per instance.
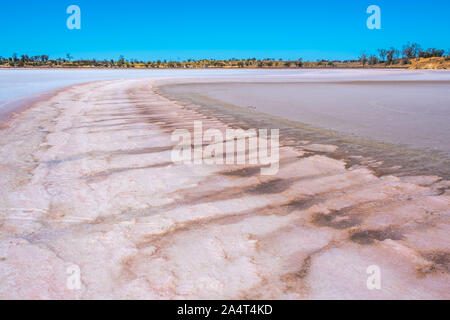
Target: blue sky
pixel 147 29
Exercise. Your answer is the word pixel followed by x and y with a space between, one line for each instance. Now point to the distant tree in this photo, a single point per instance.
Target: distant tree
pixel 382 53
pixel 363 59
pixel 373 60
pixel 438 53
pixel 391 55
pixel 431 52
pixel 121 61
pixel 410 51
pixel 69 57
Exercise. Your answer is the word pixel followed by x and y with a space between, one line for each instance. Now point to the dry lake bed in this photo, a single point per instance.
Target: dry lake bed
pixel 93 207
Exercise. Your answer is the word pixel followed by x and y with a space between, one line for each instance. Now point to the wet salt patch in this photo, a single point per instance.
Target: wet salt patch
pixel 218 208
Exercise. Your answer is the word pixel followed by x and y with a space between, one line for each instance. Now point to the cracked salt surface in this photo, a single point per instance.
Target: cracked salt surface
pixel 148 229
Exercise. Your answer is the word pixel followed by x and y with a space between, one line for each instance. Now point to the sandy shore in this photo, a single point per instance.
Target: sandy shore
pixel 87 182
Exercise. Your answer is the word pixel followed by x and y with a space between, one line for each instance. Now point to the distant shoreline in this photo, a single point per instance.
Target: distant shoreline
pixel 437 63
pixel 208 68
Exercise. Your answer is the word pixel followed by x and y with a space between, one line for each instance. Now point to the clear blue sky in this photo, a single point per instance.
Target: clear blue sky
pixel 147 29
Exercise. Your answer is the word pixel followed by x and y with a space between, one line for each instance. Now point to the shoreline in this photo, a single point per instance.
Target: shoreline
pixel 381 156
pixel 215 68
pixel 14 108
pixel 90 167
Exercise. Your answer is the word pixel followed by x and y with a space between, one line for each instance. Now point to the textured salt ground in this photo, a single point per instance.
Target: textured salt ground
pixel 86 180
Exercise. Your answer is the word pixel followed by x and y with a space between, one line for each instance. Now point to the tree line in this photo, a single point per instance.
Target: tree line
pixel 44 61
pixel 395 56
pixel 383 57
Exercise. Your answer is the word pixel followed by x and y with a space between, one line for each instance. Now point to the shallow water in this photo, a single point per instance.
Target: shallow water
pixel 395 122
pixel 401 114
pixel 412 113
pixel 17 84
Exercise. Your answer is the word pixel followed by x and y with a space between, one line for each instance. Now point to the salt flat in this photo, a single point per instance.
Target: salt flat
pixel 22 83
pixel 87 181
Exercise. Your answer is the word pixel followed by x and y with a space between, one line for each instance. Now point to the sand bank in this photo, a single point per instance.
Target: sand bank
pixel 87 182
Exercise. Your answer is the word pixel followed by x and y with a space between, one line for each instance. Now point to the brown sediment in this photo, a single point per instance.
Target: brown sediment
pixel 440 259
pixel 338 219
pixel 103 175
pixel 269 187
pixel 96 188
pixel 369 236
pixel 244 172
